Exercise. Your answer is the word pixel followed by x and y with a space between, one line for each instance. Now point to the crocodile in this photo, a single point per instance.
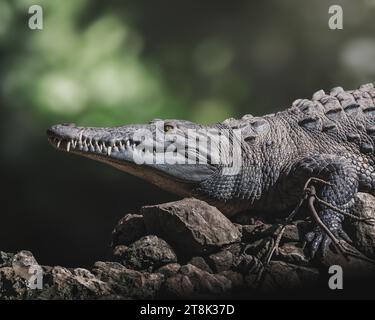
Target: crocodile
pixel 329 138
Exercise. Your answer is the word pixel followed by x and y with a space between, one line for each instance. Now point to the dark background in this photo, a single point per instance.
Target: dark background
pixel 105 63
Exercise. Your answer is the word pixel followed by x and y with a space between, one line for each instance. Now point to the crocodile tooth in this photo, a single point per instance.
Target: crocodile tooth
pixel 80 136
pixel 109 150
pixel 127 143
pixel 68 146
pixel 58 143
pixel 74 143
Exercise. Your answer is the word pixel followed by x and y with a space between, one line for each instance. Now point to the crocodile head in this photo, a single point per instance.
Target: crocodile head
pixel 169 154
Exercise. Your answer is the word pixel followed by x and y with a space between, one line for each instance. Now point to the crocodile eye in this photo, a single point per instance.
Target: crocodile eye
pixel 167 127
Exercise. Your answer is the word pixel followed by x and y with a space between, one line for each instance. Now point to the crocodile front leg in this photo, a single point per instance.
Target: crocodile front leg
pixel 342 185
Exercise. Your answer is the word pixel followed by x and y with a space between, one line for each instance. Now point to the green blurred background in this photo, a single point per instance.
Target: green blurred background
pixel 106 63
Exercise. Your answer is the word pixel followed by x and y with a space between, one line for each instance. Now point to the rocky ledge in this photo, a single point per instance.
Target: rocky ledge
pixel 189 249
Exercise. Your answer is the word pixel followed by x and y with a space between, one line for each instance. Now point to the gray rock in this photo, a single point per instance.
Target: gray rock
pixel 292 252
pixel 292 234
pixel 192 282
pixel 226 259
pixel 149 252
pixel 119 252
pixel 191 225
pixel 129 229
pixel 128 283
pixel 169 270
pixel 280 275
pixel 24 264
pixel 249 264
pixel 57 282
pixel 6 259
pixel 211 242
pixel 12 287
pixel 200 263
pixel 239 227
pixel 221 261
pixel 76 284
pixel 236 278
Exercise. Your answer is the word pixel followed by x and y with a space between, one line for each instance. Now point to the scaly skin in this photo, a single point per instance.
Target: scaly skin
pixel 330 137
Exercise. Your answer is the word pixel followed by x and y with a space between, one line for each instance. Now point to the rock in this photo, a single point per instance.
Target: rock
pixel 251 281
pixel 128 283
pixel 235 277
pixel 191 225
pixel 239 227
pixel 221 261
pixel 192 282
pixel 6 259
pixel 11 286
pixel 78 283
pixel 363 234
pixel 226 259
pixel 27 268
pixel 169 270
pixel 281 276
pixel 118 252
pixel 22 264
pixel 200 263
pixel 149 252
pixel 292 234
pixel 249 264
pixel 56 282
pixel 222 257
pixel 292 252
pixel 129 229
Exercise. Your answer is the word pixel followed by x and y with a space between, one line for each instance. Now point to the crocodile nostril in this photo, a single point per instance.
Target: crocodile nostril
pixel 69 124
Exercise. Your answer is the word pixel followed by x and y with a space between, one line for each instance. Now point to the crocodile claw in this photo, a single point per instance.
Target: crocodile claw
pixel 319 241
